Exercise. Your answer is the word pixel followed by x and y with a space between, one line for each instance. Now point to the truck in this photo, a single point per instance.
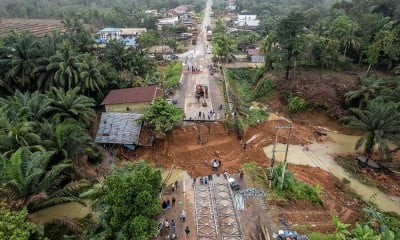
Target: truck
pixel 209 35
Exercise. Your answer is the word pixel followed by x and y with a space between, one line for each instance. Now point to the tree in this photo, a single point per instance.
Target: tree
pixel 14 226
pixel 22 60
pixel 91 78
pixel 162 116
pixel 290 36
pixel 148 39
pixel 71 105
pixel 380 123
pixel 127 202
pixel 34 183
pixel 369 88
pixel 65 66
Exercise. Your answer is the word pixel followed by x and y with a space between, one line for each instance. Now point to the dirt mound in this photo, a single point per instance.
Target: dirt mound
pixel 193 147
pixel 321 90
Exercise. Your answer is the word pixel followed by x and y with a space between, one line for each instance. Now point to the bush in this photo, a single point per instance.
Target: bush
pixel 296 104
pixel 265 88
pixel 256 114
pixel 293 189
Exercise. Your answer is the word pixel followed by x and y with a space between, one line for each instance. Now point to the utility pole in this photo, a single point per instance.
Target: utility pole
pixel 288 129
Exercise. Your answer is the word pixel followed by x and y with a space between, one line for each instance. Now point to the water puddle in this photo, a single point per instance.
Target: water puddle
pixel 77 210
pixel 322 155
pixel 69 210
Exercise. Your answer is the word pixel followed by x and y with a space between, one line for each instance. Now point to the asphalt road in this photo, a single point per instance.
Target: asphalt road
pixel 197 58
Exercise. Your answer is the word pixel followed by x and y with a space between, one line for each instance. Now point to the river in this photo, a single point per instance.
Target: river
pixel 322 155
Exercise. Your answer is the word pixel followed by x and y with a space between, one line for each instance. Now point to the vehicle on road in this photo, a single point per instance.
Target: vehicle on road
pixel 208 51
pixel 171 57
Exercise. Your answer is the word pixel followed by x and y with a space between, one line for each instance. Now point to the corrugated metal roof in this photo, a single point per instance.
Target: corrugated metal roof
pixel 119 128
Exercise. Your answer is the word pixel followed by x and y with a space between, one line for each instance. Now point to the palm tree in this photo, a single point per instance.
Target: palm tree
pixel 14 135
pixel 65 67
pixel 91 78
pixel 35 184
pixel 23 59
pixel 350 41
pixel 368 89
pixel 380 123
pixel 72 105
pixel 68 139
pixel 25 106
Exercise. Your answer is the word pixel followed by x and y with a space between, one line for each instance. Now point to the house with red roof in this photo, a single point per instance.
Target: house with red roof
pixel 131 99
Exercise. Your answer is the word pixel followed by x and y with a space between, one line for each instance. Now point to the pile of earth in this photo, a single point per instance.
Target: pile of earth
pixel 189 147
pixel 322 91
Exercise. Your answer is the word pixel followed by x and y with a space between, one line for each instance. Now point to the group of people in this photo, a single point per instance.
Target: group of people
pixel 167 204
pixel 210 115
pixel 172 227
pixel 194 69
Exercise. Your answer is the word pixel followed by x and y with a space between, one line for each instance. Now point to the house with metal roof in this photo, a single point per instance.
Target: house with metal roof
pixel 119 128
pixel 126 35
pixel 247 21
pixel 131 99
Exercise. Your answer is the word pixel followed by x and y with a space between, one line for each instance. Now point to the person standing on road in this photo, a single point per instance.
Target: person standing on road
pixel 187 231
pixel 183 215
pixel 173 226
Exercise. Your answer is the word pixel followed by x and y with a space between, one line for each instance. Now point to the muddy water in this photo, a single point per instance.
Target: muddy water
pixel 322 155
pixel 76 210
pixel 69 210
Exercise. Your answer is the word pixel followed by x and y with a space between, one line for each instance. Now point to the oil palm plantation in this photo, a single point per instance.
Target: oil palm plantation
pixel 72 105
pixel 64 67
pixel 14 135
pixel 34 183
pixel 380 123
pixel 91 78
pixel 24 55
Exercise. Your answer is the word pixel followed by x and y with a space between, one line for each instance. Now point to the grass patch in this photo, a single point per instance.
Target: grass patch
pixel 321 236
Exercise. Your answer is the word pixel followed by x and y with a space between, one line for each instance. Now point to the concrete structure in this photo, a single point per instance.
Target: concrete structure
pixel 131 99
pixel 248 21
pixel 172 21
pixel 127 35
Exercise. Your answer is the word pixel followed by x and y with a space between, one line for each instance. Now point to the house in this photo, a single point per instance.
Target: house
pixel 151 12
pixel 247 21
pixel 127 35
pixel 131 99
pixel 119 129
pixel 255 56
pixel 172 21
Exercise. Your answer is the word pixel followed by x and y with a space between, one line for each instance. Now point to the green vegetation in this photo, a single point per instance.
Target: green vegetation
pixel 14 226
pixel 380 123
pixel 162 116
pixel 296 104
pixel 172 73
pixel 127 203
pixel 290 188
